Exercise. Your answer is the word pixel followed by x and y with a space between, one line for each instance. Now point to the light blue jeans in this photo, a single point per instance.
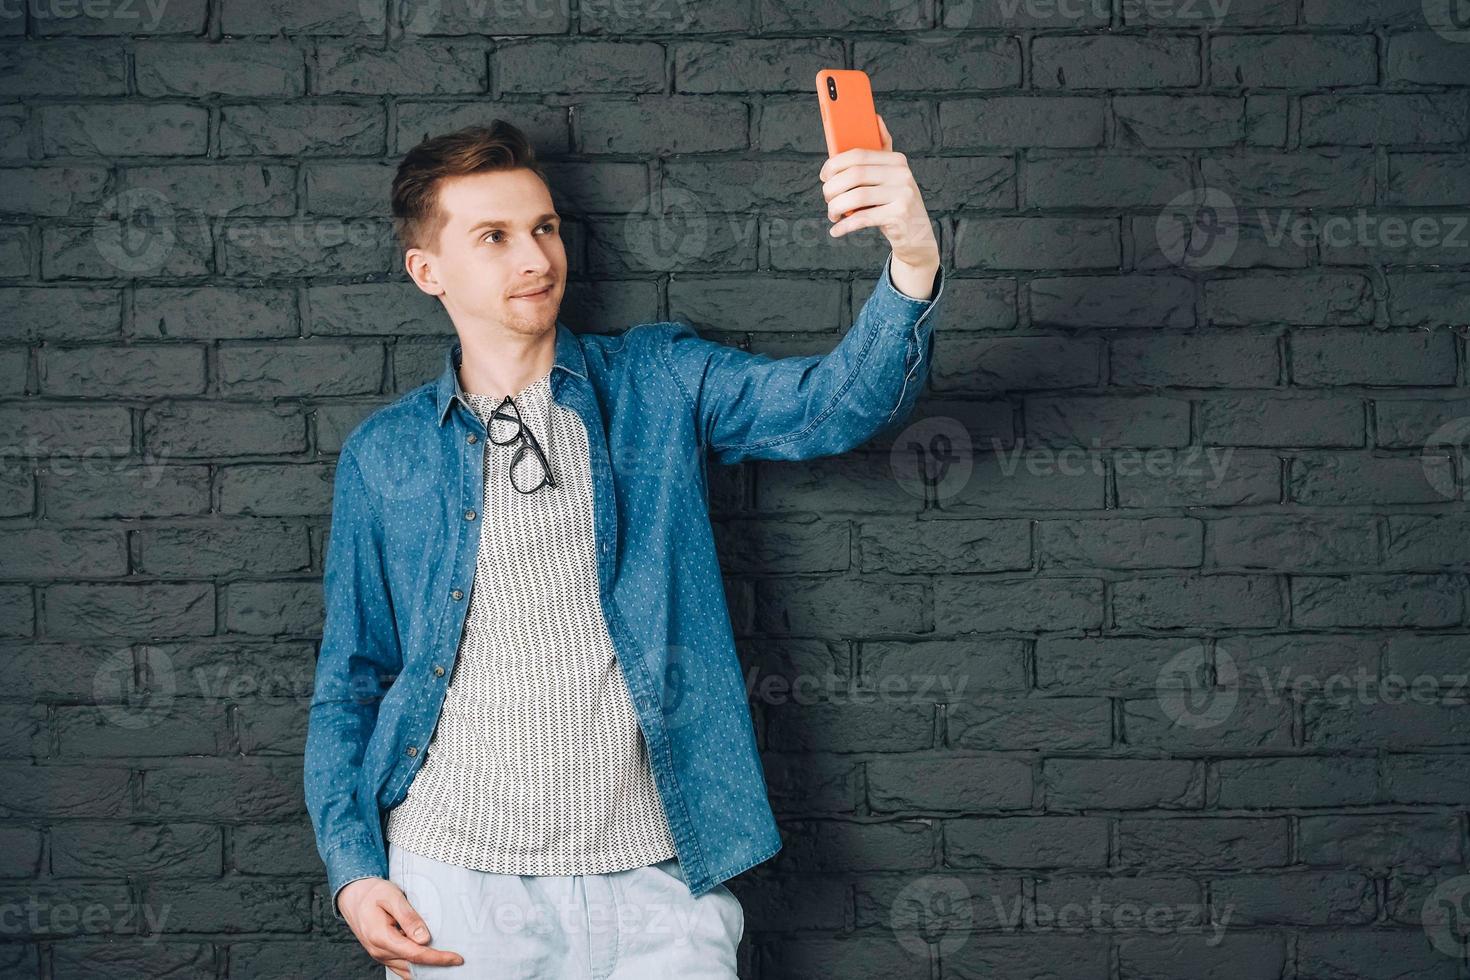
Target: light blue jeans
pixel 639 924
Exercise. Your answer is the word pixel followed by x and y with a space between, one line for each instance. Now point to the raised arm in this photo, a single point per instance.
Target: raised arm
pixel 751 406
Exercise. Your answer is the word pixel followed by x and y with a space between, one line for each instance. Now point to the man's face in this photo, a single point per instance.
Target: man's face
pixel 502 239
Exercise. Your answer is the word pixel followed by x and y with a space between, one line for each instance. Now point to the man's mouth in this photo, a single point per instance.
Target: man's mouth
pixel 539 294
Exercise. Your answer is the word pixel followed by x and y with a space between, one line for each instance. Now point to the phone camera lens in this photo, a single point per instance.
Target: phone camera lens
pixel 831 89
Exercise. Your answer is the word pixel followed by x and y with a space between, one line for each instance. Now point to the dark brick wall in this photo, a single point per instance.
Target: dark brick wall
pixel 1138 652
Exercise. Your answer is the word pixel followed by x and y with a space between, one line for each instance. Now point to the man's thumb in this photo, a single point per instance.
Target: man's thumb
pixel 410 921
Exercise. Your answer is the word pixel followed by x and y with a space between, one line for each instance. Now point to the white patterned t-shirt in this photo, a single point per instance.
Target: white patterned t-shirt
pixel 537 764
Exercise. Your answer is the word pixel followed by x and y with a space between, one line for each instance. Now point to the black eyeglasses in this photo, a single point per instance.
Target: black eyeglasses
pixel 528 444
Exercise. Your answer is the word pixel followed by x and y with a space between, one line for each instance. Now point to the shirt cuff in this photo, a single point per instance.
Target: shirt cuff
pixel 352 861
pixel 898 305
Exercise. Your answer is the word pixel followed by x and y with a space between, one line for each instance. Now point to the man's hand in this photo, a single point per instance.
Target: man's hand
pixel 880 183
pixel 388 927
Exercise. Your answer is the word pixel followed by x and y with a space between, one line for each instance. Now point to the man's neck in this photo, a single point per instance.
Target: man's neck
pixel 505 365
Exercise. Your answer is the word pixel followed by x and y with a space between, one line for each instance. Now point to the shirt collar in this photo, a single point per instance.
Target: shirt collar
pixel 569 357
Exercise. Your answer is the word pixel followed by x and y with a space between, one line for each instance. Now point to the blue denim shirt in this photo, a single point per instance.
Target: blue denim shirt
pixel 658 402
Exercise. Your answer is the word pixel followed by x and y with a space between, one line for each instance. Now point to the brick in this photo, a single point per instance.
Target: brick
pixel 62 68
pixel 1378 120
pixel 1037 243
pixel 247 69
pixel 113 130
pixel 1198 601
pixel 1205 360
pixel 1376 600
pixel 1306 179
pixel 1306 61
pixel 1295 299
pixel 1115 62
pixel 1113 301
pixel 1121 181
pixel 587 66
pixel 1027 842
pixel 1004 120
pixel 750 65
pixel 1168 121
pixel 1204 843
pixel 1123 784
pixel 301 129
pixel 965 64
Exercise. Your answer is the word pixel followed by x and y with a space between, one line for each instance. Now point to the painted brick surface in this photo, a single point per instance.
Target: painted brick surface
pixel 1139 651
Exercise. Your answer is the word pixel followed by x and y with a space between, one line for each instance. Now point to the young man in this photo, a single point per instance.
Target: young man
pixel 530 751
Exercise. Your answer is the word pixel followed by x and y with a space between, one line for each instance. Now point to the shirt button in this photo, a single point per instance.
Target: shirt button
pixel 413 750
pixel 438 671
pixel 469 515
pixel 458 595
pixel 472 439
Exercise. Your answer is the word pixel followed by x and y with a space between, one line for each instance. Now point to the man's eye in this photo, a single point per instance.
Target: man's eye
pixel 548 224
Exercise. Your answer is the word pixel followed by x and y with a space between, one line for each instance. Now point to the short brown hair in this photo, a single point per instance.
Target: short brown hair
pixel 417 218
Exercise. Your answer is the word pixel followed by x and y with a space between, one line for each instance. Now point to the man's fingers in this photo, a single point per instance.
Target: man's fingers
pixel 869 217
pixel 854 200
pixel 887 138
pixel 408 918
pixel 387 940
pixel 400 967
pixel 392 944
pixel 866 175
pixel 856 157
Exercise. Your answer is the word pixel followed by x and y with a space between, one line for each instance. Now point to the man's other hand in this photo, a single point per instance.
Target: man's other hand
pixel 388 927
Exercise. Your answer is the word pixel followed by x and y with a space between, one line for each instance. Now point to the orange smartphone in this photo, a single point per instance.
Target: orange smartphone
pixel 849 120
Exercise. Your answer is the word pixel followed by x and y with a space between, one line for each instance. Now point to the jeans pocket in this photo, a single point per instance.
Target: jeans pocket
pixel 670 867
